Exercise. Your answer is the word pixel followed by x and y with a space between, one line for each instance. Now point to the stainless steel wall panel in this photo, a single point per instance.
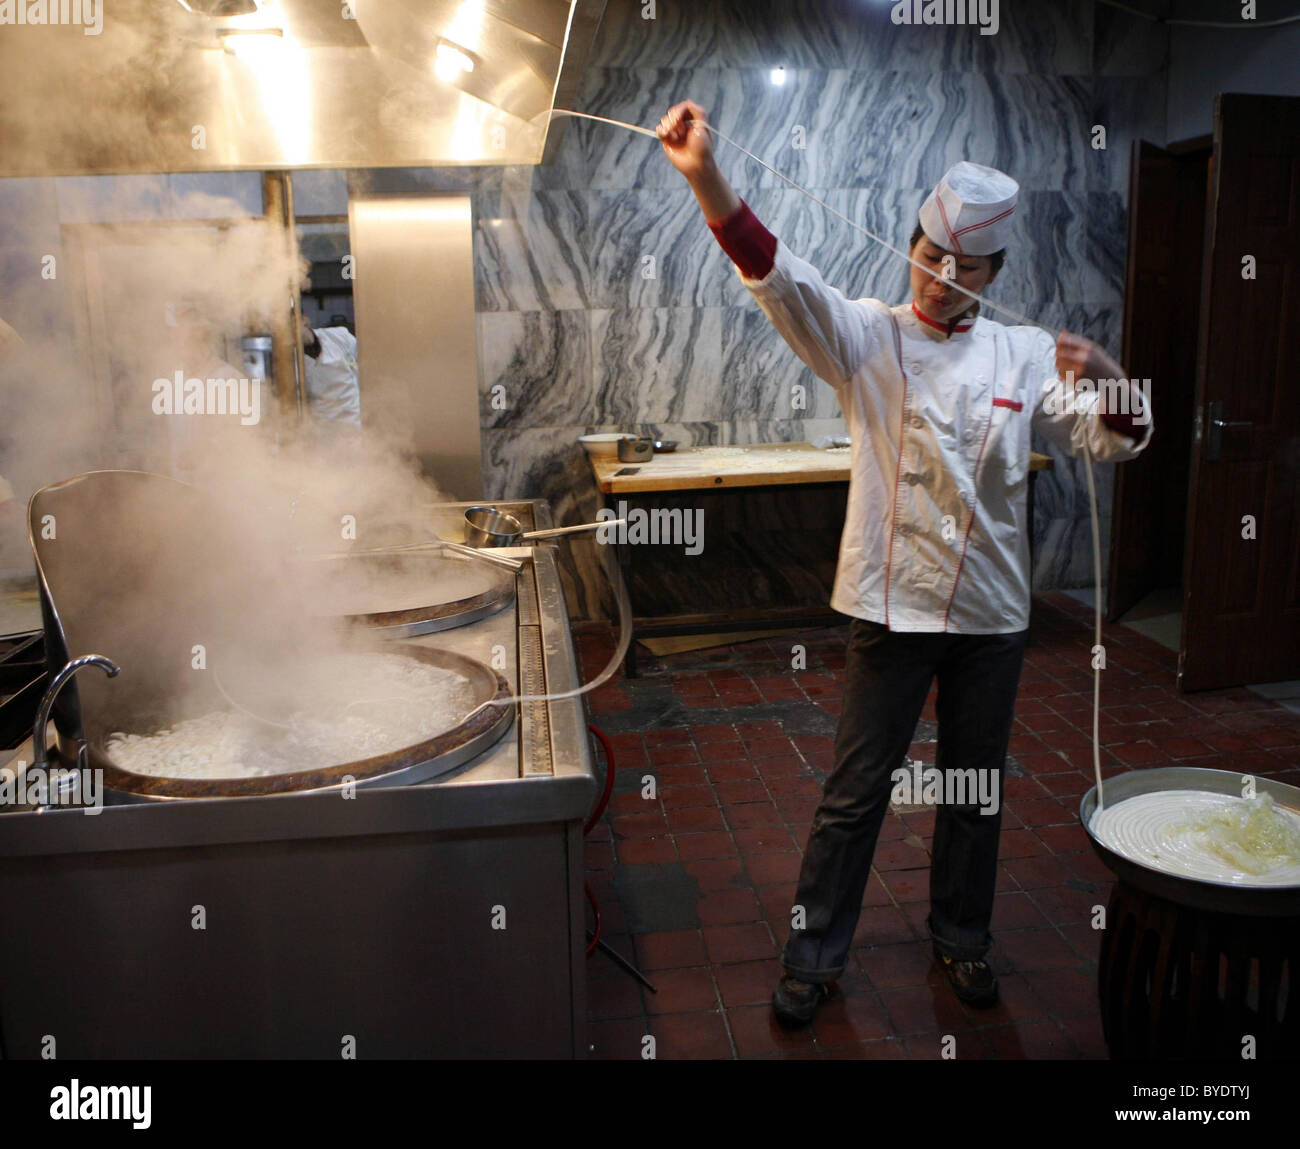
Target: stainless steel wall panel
pixel 416 331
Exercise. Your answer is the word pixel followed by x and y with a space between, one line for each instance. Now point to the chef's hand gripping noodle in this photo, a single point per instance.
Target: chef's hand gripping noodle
pixel 1021 320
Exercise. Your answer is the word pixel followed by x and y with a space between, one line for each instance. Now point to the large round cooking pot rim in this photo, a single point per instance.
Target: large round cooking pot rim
pixel 1225 897
pixel 482 728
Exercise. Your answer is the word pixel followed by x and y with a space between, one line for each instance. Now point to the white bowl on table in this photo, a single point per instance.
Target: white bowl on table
pixel 604 446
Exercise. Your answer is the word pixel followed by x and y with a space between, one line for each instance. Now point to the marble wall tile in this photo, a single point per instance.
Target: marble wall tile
pixel 760 374
pixel 845 257
pixel 657 364
pixel 535 368
pixel 536 262
pixel 1106 247
pixel 1130 108
pixel 1127 45
pixel 1051 256
pixel 829 128
pixel 651 249
pixel 1032 36
pixel 738 32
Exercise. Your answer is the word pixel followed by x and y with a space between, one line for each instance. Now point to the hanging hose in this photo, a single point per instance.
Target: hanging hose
pixel 595 909
pixel 619 587
pixel 608 788
pixel 596 814
pixel 1097 647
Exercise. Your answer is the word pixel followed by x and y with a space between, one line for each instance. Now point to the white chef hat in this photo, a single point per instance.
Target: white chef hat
pixel 970 211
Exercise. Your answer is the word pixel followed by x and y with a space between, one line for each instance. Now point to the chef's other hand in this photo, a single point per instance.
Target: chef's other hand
pixel 686 138
pixel 1085 358
pixel 309 342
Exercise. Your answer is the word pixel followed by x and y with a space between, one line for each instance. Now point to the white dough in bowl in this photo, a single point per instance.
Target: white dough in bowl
pixel 1201 834
pixel 355 706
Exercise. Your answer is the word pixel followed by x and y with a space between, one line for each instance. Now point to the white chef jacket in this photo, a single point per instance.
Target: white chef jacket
pixel 936 536
pixel 333 387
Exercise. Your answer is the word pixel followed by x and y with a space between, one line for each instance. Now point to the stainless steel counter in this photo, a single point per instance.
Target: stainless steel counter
pixel 434 920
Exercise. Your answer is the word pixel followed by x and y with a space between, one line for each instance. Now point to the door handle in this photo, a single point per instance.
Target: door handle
pixel 1217 425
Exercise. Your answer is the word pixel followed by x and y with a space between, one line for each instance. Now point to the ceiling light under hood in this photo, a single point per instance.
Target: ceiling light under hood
pixel 451 62
pixel 504 54
pixel 221 9
pixel 250 42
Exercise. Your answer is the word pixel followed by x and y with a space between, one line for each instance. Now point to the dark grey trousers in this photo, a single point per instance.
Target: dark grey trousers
pixel 887 679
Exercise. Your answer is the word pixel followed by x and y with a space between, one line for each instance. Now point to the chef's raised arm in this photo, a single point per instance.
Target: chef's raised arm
pixel 1084 394
pixel 822 326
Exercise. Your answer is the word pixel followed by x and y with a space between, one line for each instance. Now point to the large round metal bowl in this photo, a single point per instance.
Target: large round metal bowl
pixel 439 614
pixel 1221 897
pixel 418 763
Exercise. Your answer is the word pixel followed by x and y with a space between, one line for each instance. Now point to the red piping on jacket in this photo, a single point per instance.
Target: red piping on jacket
pixel 898 469
pixel 962 325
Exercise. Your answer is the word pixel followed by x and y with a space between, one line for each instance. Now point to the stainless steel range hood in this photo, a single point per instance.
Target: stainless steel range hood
pixel 183 85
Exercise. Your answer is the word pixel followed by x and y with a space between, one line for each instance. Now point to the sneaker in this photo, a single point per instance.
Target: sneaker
pixel 795 1002
pixel 972 981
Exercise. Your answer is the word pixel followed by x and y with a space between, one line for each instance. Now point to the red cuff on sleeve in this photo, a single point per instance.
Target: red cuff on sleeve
pixel 750 245
pixel 1126 424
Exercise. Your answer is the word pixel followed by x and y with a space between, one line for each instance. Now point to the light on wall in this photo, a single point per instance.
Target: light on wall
pixel 450 62
pixel 221 9
pixel 278 64
pixel 252 44
pixel 778 76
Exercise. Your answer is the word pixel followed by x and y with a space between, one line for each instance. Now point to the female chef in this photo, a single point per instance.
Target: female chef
pixel 934 558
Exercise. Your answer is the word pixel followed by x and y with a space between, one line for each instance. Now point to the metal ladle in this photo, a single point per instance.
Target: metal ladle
pixel 489 527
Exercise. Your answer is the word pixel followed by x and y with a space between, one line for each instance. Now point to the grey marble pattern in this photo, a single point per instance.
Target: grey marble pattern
pixel 606 305
pixel 1127 45
pixel 1033 36
pixel 828 128
pixel 760 374
pixel 537 262
pixel 650 249
pixel 1130 108
pixel 534 368
pixel 657 364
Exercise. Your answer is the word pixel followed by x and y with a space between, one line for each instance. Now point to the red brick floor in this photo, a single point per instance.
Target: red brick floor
pixel 695 883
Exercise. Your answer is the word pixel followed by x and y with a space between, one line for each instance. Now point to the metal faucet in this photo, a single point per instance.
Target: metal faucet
pixel 39 753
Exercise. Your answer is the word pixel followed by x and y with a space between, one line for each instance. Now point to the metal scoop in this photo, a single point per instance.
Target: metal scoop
pixel 489 527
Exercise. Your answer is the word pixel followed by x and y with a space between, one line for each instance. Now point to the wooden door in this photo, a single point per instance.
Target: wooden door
pixel 1162 299
pixel 1241 591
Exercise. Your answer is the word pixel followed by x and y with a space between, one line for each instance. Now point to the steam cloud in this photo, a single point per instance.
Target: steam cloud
pixel 150 579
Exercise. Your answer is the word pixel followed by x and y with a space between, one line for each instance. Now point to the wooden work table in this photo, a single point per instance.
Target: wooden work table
pixel 759 465
pixel 773 513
